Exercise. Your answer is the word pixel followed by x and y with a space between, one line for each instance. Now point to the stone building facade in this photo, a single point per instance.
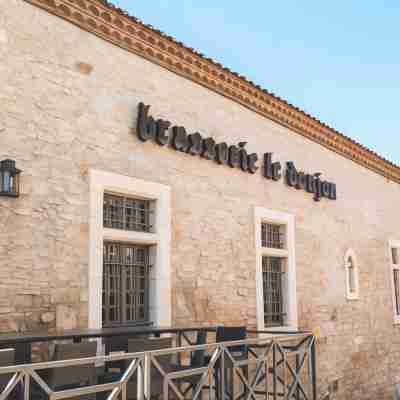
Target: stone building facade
pixel 70 89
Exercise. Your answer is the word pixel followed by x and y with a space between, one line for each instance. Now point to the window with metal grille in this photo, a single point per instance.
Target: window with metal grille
pixel 352 278
pixel 125 284
pixel 272 235
pixel 396 290
pixel 395 256
pixel 126 213
pixel 273 272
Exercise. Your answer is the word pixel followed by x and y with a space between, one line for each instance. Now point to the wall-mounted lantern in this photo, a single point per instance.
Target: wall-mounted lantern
pixel 9 178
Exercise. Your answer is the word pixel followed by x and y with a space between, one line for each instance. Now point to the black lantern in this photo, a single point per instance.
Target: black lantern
pixel 9 178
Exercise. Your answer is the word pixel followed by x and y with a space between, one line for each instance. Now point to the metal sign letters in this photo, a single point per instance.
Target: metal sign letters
pixel 164 133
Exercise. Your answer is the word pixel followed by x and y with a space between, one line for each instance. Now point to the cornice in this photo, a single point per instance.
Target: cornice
pixel 117 27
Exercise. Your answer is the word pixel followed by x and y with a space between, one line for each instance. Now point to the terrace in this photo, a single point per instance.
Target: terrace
pixel 146 362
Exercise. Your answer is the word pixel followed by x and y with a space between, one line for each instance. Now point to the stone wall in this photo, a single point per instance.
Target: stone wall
pixel 69 103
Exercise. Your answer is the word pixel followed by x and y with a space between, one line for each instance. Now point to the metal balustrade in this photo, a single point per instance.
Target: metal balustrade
pixel 266 367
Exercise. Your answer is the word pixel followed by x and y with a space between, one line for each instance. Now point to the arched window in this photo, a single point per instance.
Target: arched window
pixel 351 268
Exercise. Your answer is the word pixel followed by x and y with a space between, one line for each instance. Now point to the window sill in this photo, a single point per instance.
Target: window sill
pixel 277 330
pixel 352 298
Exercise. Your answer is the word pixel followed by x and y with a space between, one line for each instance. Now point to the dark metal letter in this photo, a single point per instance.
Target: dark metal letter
pixel 272 170
pixel 162 127
pixel 243 156
pixel 301 181
pixel 310 187
pixel 332 194
pixel 209 149
pixel 326 189
pixel 251 162
pixel 222 153
pixel 146 128
pixel 195 144
pixel 318 188
pixel 291 174
pixel 234 158
pixel 180 140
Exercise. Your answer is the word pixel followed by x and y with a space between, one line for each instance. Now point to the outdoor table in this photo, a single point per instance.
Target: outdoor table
pixel 22 342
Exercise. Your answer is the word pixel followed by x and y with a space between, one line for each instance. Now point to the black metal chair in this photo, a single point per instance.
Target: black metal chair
pixel 119 367
pixel 7 358
pixel 166 363
pixel 115 344
pixel 140 345
pixel 237 352
pixel 77 375
pixel 197 360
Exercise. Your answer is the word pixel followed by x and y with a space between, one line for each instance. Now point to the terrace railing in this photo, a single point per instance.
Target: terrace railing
pixel 282 367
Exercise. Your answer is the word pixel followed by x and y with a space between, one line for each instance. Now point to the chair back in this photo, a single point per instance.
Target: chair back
pixel 7 358
pixel 198 357
pixel 77 375
pixel 140 345
pixel 230 334
pixel 115 344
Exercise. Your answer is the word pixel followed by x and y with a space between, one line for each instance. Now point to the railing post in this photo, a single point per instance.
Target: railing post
pixel 274 372
pixel 314 368
pixel 297 375
pixel 266 379
pixel 123 391
pixel 26 386
pixel 147 376
pixel 221 372
pixel 179 344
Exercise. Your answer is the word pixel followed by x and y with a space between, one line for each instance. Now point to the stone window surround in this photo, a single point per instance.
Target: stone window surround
pixel 393 244
pixel 160 300
pixel 261 215
pixel 356 294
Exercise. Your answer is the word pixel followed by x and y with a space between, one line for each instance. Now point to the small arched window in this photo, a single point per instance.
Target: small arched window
pixel 351 268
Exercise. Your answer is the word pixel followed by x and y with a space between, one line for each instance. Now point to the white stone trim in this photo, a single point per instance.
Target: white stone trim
pixel 100 182
pixel 393 244
pixel 262 214
pixel 356 294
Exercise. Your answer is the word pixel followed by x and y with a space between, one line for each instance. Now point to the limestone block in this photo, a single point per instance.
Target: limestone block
pixel 69 295
pixel 48 317
pixel 23 302
pixel 66 317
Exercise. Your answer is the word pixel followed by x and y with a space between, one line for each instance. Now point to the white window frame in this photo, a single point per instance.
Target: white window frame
pixel 160 275
pixel 261 215
pixel 356 294
pixel 394 244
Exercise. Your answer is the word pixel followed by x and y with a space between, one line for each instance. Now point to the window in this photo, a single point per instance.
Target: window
pixel 273 270
pixel 394 254
pixel 272 235
pixel 129 278
pixel 276 274
pixel 126 213
pixel 351 268
pixel 125 284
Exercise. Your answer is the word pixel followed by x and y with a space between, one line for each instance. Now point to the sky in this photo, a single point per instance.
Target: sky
pixel 337 60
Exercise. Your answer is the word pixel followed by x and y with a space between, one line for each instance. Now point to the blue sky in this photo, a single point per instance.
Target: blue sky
pixel 339 60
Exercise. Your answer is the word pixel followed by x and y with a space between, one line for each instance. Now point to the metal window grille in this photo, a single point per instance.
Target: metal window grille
pixel 273 270
pixel 126 213
pixel 351 272
pixel 125 284
pixel 272 236
pixel 395 255
pixel 396 290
